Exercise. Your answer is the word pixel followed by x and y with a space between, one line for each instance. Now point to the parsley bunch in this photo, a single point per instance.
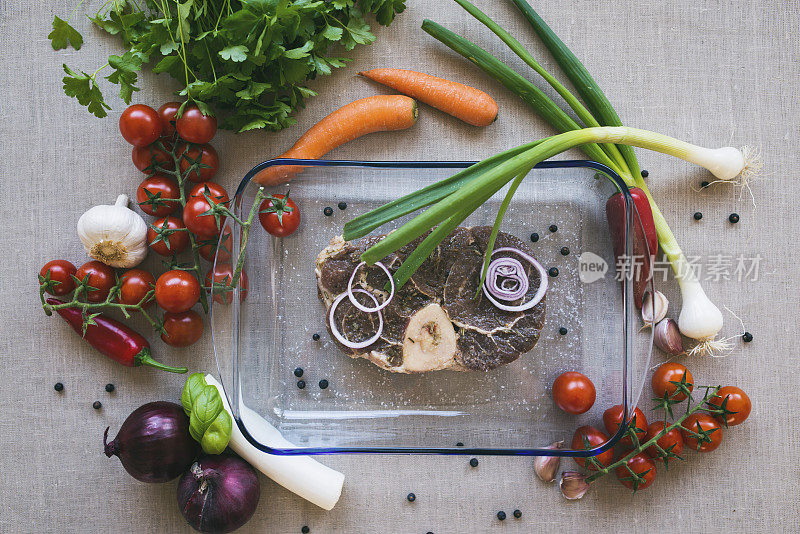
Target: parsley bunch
pixel 248 59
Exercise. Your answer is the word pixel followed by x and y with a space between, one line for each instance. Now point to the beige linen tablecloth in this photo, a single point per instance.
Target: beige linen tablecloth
pixel 713 72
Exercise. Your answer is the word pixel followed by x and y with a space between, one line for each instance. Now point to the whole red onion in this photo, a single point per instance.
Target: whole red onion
pixel 218 493
pixel 153 443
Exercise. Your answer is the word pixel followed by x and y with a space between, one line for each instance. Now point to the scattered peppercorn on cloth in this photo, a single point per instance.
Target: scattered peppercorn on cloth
pixel 709 71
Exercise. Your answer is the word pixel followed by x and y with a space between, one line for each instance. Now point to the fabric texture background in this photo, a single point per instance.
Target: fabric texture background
pixel 709 71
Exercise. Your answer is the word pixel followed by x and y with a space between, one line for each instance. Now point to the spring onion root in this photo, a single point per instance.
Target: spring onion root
pixel 302 475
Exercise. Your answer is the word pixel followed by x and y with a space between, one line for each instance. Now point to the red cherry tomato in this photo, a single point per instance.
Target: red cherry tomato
pixel 178 241
pixel 642 465
pixel 182 329
pixel 209 248
pixel 671 442
pixel 161 188
pixel 589 437
pixel 61 282
pixel 212 189
pixel 153 157
pixel 101 277
pixel 573 392
pixel 279 215
pixel 166 113
pixel 204 226
pixel 666 379
pixel 177 291
pixel 136 283
pixel 701 423
pixel 613 417
pixel 140 125
pixel 223 275
pixel 204 154
pixel 735 400
pixel 195 127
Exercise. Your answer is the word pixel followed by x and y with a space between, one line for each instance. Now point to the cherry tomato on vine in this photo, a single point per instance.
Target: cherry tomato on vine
pixel 166 113
pixel 182 329
pixel 211 248
pixel 145 156
pixel 672 441
pixel 140 125
pixel 734 400
pixel 612 418
pixel 212 189
pixel 704 424
pixel 161 189
pixel 61 282
pixel 642 465
pixel 223 276
pixel 204 226
pixel 279 215
pixel 204 154
pixel 101 277
pixel 177 291
pixel 595 438
pixel 195 127
pixel 178 241
pixel 573 392
pixel 666 379
pixel 136 283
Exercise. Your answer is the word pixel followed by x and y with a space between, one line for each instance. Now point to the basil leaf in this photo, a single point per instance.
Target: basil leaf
pixel 206 408
pixel 218 434
pixel 191 390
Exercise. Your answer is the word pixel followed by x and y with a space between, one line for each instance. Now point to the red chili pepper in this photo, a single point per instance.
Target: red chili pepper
pixel 643 242
pixel 113 339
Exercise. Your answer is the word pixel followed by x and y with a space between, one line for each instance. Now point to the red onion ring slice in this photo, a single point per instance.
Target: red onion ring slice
pixel 338 335
pixel 540 292
pixel 360 306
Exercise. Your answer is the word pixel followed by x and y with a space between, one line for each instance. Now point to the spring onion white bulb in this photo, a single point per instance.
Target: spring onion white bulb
pixel 699 319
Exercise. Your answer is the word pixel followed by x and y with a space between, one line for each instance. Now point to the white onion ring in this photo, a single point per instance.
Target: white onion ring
pixel 540 292
pixel 360 306
pixel 338 335
pixel 513 271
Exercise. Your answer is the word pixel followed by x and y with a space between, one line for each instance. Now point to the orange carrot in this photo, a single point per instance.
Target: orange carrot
pixel 373 114
pixel 462 101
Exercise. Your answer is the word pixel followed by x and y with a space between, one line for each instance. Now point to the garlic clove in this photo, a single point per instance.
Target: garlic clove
pixel 667 337
pixel 546 467
pixel 114 234
pixel 655 309
pixel 573 485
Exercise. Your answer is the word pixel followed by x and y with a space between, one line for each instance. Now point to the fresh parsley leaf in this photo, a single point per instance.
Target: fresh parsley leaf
pixel 235 53
pixel 125 68
pixel 84 87
pixel 300 52
pixel 64 35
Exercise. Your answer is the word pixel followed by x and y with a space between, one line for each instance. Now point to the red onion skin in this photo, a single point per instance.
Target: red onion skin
pixel 153 443
pixel 218 493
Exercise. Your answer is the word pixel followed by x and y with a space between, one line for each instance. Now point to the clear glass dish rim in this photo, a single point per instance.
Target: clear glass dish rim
pixel 629 316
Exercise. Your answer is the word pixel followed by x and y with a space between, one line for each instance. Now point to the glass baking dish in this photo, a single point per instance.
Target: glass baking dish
pixel 261 340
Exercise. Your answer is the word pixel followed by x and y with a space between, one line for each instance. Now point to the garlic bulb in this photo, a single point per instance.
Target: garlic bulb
pixel 115 235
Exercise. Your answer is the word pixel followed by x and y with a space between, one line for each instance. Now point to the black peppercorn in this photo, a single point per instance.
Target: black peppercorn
pixel 644 173
pixel 698 216
pixel 328 211
pixel 562 331
pixel 501 515
pixel 305 530
pixel 553 228
pixel 97 405
pixel 704 184
pixel 459 444
pixel 733 218
pixel 553 271
pixel 747 337
pixel 565 251
pixel 323 384
pixel 301 384
pixel 534 237
pixel 342 205
pixel 109 387
pixel 315 337
pixel 298 372
pixel 411 497
pixel 473 462
pixel 517 513
pixel 59 387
